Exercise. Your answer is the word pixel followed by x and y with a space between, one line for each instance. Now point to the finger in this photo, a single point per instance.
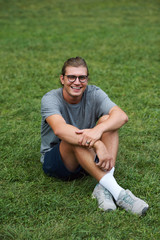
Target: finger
pixel 110 164
pixel 107 165
pixel 99 164
pixel 104 169
pixel 80 140
pixel 109 168
pixel 83 143
pixel 91 143
pixel 87 143
pixel 103 165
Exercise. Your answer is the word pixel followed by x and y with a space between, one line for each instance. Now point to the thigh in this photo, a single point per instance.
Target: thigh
pixel 54 166
pixel 69 159
pixel 69 154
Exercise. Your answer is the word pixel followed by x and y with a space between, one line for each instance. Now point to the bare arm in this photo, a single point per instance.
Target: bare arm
pixel 106 161
pixel 63 130
pixel 115 120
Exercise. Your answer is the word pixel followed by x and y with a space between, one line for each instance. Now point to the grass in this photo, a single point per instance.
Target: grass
pixel 120 42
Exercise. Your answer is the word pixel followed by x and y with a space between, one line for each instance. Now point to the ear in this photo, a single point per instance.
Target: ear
pixel 62 79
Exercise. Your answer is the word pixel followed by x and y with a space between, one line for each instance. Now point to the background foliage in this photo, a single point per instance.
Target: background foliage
pixel 120 42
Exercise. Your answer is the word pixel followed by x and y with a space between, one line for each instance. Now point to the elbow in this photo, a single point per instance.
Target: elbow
pixel 125 118
pixel 57 132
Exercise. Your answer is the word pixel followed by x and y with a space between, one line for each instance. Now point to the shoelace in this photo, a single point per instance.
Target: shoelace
pixel 127 199
pixel 107 194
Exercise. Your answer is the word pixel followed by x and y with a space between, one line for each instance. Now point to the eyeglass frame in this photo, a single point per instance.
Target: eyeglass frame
pixel 81 81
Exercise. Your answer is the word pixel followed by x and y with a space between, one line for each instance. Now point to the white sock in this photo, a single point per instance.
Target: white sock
pixel 109 182
pixel 112 171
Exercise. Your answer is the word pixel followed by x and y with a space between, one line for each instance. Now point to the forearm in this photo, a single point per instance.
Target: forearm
pixel 115 120
pixel 63 130
pixel 67 133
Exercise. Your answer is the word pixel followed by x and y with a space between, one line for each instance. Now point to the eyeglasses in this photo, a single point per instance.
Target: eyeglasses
pixel 81 78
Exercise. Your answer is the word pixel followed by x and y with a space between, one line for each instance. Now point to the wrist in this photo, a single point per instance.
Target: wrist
pixel 97 144
pixel 99 129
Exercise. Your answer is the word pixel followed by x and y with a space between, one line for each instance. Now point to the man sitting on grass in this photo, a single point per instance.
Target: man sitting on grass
pixel 79 134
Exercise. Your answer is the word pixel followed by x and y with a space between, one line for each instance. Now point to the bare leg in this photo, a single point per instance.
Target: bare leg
pixel 111 140
pixel 72 156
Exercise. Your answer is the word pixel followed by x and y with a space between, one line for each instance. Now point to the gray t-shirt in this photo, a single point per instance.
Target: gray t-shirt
pixel 94 104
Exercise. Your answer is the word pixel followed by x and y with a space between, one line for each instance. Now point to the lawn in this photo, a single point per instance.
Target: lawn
pixel 120 41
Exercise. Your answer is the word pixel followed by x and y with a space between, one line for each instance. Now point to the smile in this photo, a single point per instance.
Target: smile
pixel 78 88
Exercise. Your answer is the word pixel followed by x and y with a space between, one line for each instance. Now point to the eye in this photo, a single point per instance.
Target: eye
pixel 82 77
pixel 71 77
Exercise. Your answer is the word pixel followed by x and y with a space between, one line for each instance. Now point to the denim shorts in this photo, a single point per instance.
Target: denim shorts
pixel 53 166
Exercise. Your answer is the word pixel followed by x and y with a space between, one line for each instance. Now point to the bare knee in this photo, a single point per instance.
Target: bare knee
pixel 69 159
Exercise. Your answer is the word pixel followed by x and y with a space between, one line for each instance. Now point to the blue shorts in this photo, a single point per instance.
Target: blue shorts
pixel 53 166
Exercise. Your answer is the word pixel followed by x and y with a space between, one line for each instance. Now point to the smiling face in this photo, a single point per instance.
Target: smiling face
pixel 73 91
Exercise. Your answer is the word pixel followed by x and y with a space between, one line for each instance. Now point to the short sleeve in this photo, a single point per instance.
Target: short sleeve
pixel 103 103
pixel 50 105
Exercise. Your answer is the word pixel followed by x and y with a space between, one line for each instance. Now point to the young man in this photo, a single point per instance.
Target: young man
pixel 79 132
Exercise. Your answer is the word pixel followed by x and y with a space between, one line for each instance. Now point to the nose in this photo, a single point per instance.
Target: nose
pixel 77 81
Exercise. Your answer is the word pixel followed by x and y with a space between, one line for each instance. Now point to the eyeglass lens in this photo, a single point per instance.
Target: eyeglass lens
pixel 72 78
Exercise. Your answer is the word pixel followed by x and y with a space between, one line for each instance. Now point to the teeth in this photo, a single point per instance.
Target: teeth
pixel 76 87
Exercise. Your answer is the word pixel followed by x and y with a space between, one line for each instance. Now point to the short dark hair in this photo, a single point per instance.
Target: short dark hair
pixel 74 62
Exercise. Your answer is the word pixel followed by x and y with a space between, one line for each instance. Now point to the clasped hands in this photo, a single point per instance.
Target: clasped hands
pixel 90 138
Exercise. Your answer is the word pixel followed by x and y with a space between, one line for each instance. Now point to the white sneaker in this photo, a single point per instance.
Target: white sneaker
pixel 129 202
pixel 104 198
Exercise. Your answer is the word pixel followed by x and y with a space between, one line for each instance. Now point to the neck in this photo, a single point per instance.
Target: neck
pixel 70 99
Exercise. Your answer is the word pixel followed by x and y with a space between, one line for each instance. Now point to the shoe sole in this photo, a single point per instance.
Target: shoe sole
pixel 144 211
pixel 108 210
pixel 93 197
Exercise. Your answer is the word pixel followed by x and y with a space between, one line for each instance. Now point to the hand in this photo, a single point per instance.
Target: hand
pixel 88 137
pixel 105 159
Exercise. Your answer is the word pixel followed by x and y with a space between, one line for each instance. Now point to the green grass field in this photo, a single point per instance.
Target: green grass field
pixel 120 41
